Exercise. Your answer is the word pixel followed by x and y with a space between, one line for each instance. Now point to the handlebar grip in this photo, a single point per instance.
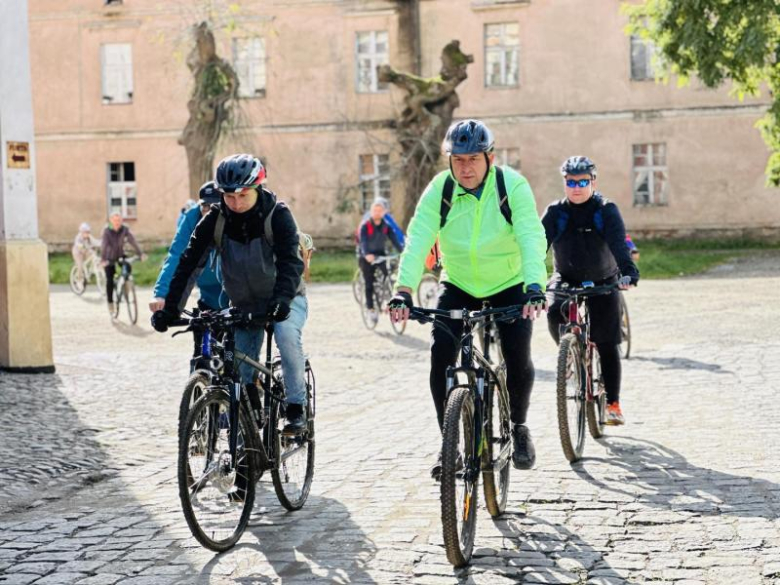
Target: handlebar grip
pixel 179 323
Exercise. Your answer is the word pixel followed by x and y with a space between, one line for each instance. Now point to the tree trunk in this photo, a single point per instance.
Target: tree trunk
pixel 430 104
pixel 215 89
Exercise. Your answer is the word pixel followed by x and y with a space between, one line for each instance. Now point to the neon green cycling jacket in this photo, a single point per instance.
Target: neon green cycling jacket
pixel 482 253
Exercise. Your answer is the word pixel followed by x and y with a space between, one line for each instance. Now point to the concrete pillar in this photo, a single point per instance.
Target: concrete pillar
pixel 25 327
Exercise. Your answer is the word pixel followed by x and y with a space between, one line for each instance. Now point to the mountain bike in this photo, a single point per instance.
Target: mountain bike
pixel 385 273
pixel 581 396
pixel 124 290
pixel 92 271
pixel 625 329
pixel 231 435
pixel 477 435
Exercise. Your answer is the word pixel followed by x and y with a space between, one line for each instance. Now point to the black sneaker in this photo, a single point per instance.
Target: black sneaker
pixel 524 454
pixel 296 419
pixel 436 468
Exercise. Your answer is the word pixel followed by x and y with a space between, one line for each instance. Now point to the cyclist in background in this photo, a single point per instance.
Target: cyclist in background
pixel 375 234
pixel 632 248
pixel 84 245
pixel 588 238
pixel 112 248
pixel 493 249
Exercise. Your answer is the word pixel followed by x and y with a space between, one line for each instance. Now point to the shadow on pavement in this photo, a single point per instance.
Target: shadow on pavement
pixel 405 341
pixel 658 477
pixel 133 330
pixel 678 363
pixel 318 543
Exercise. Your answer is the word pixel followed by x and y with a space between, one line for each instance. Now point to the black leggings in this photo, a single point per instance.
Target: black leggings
pixel 110 271
pixel 515 345
pixel 369 270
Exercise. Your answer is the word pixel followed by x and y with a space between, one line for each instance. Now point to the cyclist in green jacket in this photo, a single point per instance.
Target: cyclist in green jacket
pixel 493 249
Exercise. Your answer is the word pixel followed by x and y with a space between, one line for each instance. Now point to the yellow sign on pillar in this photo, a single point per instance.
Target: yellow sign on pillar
pixel 18 155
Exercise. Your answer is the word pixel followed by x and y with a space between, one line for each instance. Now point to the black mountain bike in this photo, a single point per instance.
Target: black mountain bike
pixel 231 436
pixel 124 290
pixel 625 329
pixel 477 435
pixel 581 396
pixel 385 273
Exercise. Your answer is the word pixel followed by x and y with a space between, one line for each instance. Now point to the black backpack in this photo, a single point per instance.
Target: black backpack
pixel 449 188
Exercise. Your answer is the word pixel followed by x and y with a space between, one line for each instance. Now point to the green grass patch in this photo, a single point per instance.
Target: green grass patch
pixel 659 259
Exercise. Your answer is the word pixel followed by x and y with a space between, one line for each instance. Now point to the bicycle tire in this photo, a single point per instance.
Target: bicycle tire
pixel 358 287
pixel 625 329
pixel 118 297
pixel 496 458
pixel 193 390
pixel 217 488
pixel 399 327
pixel 100 279
pixel 428 291
pixel 596 409
pixel 570 395
pixel 131 301
pixel 459 543
pixel 78 285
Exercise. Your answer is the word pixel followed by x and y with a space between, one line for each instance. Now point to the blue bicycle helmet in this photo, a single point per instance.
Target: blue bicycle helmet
pixel 468 137
pixel 238 172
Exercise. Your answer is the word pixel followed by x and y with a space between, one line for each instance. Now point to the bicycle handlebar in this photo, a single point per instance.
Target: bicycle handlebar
pixel 498 314
pixel 220 319
pixel 584 291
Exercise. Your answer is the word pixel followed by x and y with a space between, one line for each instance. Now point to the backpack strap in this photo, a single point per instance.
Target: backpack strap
pixel 503 198
pixel 268 229
pixel 598 215
pixel 446 200
pixel 219 230
pixel 560 223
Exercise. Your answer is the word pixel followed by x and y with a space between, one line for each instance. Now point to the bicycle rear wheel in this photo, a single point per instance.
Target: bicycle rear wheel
pixel 570 388
pixel 597 408
pixel 216 496
pixel 428 291
pixel 459 476
pixel 625 329
pixel 495 467
pixel 131 301
pixel 77 285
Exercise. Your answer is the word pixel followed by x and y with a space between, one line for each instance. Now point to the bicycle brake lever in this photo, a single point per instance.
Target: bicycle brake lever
pixel 182 331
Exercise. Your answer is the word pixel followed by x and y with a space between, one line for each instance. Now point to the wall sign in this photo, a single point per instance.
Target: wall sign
pixel 18 155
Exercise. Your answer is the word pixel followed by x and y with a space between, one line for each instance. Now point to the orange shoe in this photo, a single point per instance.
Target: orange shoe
pixel 614 415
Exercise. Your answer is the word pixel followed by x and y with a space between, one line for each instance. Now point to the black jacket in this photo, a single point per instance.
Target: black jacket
pixel 581 252
pixel 243 229
pixel 374 238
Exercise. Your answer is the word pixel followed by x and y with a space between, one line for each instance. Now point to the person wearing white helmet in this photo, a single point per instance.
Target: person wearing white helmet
pixel 84 246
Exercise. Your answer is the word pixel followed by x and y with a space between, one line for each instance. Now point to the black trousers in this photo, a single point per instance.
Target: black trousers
pixel 515 345
pixel 604 313
pixel 110 270
pixel 369 270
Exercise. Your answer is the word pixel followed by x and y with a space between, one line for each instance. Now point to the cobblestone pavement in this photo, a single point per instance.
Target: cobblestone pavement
pixel 688 492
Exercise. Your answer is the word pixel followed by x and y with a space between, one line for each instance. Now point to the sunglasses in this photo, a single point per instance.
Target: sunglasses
pixel 581 183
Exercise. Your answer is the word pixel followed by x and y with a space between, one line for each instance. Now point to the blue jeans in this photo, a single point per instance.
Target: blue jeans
pixel 287 335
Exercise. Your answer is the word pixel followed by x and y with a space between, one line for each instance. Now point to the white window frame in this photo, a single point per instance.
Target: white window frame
pixel 653 172
pixel 374 58
pixel 641 57
pixel 122 190
pixel 116 67
pixel 509 156
pixel 371 185
pixel 251 71
pixel 502 49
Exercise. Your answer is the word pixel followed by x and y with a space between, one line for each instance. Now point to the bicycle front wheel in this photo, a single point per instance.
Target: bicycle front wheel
pixel 358 286
pixel 100 279
pixel 428 291
pixel 597 408
pixel 193 390
pixel 495 466
pixel 216 493
pixel 570 389
pixel 459 476
pixel 77 285
pixel 131 301
pixel 625 329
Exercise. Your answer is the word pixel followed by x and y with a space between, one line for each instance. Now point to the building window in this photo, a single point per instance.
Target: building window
pixel 121 190
pixel 372 50
pixel 249 63
pixel 508 157
pixel 117 73
pixel 112 2
pixel 651 175
pixel 502 54
pixel 374 178
pixel 642 52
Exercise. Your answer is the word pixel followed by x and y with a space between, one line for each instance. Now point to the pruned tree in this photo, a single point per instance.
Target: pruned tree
pixel 210 105
pixel 737 40
pixel 422 125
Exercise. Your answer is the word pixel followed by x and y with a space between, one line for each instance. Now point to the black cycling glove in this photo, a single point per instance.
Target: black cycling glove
pixel 278 310
pixel 401 300
pixel 534 295
pixel 162 319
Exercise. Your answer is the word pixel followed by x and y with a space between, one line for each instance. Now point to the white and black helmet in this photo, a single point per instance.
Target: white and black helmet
pixel 238 172
pixel 578 165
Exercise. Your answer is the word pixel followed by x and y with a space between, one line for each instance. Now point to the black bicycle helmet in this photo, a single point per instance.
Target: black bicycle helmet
pixel 468 137
pixel 208 194
pixel 578 165
pixel 239 171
